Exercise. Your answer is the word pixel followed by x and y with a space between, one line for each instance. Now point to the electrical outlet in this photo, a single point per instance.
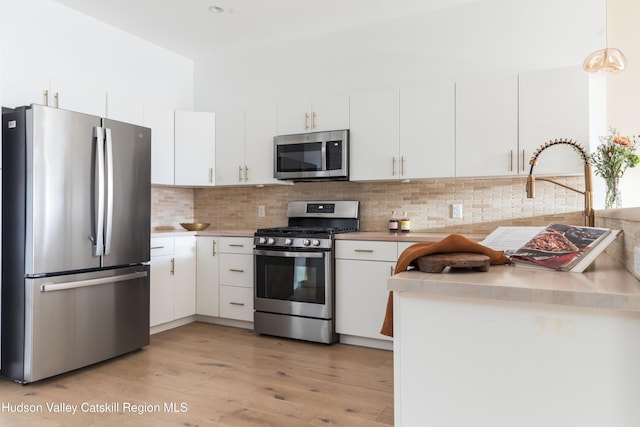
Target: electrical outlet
pixel 456 211
pixel 636 261
pixel 261 211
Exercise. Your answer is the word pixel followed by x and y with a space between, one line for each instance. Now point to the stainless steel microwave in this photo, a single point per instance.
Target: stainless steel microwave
pixel 312 156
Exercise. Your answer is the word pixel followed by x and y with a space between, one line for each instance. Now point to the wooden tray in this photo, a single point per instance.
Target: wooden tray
pixel 436 263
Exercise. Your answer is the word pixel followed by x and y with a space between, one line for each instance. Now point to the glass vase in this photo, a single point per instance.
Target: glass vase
pixel 613 198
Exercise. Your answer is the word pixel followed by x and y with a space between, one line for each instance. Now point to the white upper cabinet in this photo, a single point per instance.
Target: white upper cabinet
pixel 230 147
pixel 315 115
pixel 60 91
pixel 554 104
pixel 195 135
pixel 244 146
pixel 487 126
pixel 427 132
pixel 374 136
pixel 260 128
pixel 161 121
pixel 125 108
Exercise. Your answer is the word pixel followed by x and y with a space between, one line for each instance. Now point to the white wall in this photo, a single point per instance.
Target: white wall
pixel 43 38
pixel 624 89
pixel 485 37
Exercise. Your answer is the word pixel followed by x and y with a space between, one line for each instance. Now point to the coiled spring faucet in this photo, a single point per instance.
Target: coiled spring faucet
pixel 589 217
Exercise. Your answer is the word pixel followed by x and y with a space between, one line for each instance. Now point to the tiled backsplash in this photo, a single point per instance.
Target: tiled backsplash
pixel 629 221
pixel 170 206
pixel 486 203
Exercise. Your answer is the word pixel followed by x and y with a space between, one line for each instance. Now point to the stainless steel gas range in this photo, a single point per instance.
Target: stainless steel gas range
pixel 294 275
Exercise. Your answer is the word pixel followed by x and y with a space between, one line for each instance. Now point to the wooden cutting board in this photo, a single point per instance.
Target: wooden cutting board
pixel 436 263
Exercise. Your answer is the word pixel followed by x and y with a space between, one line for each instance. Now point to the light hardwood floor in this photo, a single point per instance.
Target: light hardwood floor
pixel 216 376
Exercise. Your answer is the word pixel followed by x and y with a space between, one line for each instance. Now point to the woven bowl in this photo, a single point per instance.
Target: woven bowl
pixel 195 226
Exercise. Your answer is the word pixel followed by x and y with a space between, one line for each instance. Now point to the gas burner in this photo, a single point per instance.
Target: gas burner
pixel 300 231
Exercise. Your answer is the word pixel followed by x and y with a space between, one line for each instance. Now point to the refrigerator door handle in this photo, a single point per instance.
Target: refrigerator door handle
pixel 49 287
pixel 109 174
pixel 98 237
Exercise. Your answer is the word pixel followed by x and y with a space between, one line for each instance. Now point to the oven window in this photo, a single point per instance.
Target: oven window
pixel 290 279
pixel 300 157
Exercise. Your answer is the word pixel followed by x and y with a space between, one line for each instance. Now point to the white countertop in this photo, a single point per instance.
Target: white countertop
pixel 208 232
pixel 385 236
pixel 606 285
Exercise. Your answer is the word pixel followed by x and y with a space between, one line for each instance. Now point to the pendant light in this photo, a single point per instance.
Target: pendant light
pixel 606 61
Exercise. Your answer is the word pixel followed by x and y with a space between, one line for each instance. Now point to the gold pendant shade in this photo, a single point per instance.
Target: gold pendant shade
pixel 609 60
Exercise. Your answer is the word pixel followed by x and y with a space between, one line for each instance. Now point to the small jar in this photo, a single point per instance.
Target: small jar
pixel 393 223
pixel 405 224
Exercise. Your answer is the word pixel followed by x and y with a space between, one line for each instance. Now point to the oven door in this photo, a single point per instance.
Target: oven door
pixel 294 283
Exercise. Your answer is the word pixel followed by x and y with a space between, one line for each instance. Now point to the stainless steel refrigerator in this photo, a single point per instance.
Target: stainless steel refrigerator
pixel 76 201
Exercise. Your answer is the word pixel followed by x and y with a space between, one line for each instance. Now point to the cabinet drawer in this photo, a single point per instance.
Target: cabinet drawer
pixel 367 250
pixel 161 246
pixel 236 270
pixel 236 303
pixel 236 245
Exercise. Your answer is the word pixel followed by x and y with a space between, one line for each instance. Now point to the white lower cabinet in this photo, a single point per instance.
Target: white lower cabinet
pixel 236 303
pixel 173 279
pixel 236 278
pixel 184 286
pixel 362 270
pixel 207 284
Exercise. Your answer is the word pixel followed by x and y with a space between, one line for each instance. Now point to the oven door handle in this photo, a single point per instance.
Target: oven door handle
pixel 289 254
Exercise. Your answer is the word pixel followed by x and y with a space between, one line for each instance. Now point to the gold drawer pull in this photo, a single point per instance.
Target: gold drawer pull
pixel 236 245
pixel 363 250
pixel 156 247
pixel 235 270
pixel 236 303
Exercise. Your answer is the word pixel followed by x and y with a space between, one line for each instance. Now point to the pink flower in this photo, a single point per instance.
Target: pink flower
pixel 622 140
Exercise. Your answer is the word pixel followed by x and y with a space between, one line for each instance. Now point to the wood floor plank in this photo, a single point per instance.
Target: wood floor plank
pixel 223 376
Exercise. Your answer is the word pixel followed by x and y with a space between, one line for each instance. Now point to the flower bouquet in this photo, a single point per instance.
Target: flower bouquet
pixel 610 160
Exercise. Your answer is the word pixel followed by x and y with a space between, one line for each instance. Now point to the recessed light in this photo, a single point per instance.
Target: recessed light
pixel 215 9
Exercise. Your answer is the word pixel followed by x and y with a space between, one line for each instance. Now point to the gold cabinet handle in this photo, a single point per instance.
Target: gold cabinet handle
pixel 46 97
pixel 213 248
pixel 236 303
pixel 210 175
pixel 156 247
pixel 173 266
pixel 314 120
pixel 56 99
pixel 391 270
pixel 524 166
pixel 239 173
pixel 236 245
pixel 511 161
pixel 236 270
pixel 393 166
pixel 402 166
pixel 306 121
pixel 369 251
pixel 246 174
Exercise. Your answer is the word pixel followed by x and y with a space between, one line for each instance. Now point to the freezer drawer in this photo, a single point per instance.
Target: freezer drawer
pixel 76 320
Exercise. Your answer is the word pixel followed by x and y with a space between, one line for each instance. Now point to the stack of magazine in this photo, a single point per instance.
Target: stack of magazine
pixel 557 246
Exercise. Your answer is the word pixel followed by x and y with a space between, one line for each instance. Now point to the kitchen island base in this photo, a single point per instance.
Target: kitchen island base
pixel 478 362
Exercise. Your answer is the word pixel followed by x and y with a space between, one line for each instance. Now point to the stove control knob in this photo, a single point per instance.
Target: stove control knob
pixel 262 240
pixel 288 241
pixel 271 241
pixel 316 242
pixel 306 242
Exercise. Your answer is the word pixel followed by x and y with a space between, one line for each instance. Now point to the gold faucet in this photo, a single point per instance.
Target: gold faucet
pixel 589 216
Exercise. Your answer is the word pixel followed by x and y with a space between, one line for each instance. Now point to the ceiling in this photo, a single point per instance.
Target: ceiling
pixel 188 28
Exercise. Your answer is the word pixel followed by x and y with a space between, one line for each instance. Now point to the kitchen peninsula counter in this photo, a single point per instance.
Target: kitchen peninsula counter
pixel 517 346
